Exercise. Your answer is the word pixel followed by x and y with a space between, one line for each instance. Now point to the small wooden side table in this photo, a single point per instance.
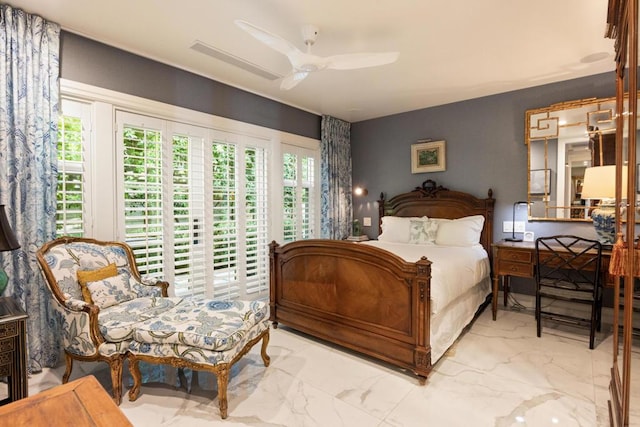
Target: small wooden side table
pixel 79 403
pixel 13 348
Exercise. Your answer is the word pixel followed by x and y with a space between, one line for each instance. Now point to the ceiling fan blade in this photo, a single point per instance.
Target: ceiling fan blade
pixel 290 81
pixel 352 61
pixel 273 41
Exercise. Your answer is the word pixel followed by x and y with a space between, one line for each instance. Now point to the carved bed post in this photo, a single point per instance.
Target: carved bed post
pixel 422 292
pixel 381 205
pixel 273 279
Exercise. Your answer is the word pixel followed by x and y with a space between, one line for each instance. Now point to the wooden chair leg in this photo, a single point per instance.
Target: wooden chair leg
pixel 69 366
pixel 115 364
pixel 263 352
pixel 134 369
pixel 223 381
pixel 538 315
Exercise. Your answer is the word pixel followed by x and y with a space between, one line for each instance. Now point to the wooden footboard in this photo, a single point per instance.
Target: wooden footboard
pixel 358 296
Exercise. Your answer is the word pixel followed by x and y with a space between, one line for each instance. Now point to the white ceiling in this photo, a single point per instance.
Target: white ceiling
pixel 450 50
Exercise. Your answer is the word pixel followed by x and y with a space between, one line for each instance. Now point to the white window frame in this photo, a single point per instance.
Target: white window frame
pixel 104 104
pixel 82 110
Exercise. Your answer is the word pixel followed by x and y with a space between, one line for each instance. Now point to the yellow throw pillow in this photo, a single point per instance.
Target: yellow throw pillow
pixel 86 276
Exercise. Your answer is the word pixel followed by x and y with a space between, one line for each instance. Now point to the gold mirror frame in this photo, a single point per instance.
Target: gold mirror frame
pixel 562 141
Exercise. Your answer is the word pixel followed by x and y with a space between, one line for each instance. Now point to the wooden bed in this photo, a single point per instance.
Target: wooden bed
pixel 365 298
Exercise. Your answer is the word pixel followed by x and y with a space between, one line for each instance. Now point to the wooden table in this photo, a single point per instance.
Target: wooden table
pixel 518 259
pixel 78 403
pixel 13 349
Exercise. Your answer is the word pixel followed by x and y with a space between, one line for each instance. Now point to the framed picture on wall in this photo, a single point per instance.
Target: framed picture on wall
pixel 428 157
pixel 540 182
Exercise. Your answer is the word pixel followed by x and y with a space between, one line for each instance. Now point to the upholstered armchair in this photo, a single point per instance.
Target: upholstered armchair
pixel 98 295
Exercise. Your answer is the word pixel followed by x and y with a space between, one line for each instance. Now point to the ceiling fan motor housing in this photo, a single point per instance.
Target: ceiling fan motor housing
pixel 309 34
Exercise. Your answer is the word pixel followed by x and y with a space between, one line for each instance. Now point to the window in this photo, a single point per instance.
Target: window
pixel 240 217
pixel 197 204
pixel 299 193
pixel 73 211
pixel 168 169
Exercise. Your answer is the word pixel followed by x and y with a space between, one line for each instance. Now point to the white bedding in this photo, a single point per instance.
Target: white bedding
pixel 454 269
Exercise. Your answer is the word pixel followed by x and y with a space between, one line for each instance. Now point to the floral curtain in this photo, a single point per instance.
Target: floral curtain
pixel 335 177
pixel 29 93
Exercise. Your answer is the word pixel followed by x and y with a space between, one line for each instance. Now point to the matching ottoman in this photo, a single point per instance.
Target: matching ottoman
pixel 200 334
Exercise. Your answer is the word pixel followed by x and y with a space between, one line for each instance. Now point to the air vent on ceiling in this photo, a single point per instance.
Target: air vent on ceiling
pixel 201 47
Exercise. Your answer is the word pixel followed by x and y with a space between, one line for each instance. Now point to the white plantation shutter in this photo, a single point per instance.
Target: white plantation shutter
pixel 308 196
pixel 225 217
pixel 141 171
pixel 190 227
pixel 290 197
pixel 300 194
pixel 240 217
pixel 73 210
pixel 256 221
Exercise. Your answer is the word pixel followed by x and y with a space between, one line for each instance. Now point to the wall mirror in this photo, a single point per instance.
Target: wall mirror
pixel 563 140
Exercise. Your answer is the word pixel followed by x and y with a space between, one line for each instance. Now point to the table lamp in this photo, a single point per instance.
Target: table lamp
pixel 513 237
pixel 8 242
pixel 600 184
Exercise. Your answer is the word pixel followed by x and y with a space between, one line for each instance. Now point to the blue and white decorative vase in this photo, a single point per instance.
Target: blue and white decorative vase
pixel 604 221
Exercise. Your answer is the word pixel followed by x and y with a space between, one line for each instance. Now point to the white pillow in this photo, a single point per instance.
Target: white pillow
pixel 464 231
pixel 423 231
pixel 396 229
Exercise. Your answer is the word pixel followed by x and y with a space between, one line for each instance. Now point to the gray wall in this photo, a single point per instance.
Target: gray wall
pixel 484 136
pixel 87 61
pixel 484 150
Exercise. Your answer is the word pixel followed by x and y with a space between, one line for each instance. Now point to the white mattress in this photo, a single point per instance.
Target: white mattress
pixel 460 283
pixel 454 269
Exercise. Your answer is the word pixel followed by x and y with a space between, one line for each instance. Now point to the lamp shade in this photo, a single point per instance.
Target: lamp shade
pixel 8 241
pixel 600 182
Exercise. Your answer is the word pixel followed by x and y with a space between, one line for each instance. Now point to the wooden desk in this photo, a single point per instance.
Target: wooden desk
pixel 518 259
pixel 78 403
pixel 13 348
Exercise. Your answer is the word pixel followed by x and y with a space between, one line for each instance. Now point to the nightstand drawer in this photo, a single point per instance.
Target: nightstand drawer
pixel 7 345
pixel 9 329
pixel 5 370
pixel 517 256
pixel 512 268
pixel 6 358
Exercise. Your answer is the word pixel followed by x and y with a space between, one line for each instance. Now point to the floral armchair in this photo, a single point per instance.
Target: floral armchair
pixel 98 295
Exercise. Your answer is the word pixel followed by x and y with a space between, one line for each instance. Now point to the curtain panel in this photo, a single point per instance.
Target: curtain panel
pixel 29 94
pixel 335 177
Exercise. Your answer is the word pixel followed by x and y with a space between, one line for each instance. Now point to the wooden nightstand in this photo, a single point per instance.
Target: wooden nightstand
pixel 518 259
pixel 13 348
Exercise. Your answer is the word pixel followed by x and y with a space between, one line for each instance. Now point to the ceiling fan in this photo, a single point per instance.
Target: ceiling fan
pixel 304 63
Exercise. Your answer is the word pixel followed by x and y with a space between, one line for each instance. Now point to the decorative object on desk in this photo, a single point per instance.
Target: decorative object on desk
pixel 600 184
pixel 356 229
pixel 8 242
pixel 513 237
pixel 528 236
pixel 428 157
pixel 359 191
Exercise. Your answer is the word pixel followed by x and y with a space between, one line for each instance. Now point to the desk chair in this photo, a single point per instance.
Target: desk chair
pixel 568 269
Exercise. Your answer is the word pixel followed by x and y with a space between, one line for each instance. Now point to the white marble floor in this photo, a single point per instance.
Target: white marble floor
pixel 497 374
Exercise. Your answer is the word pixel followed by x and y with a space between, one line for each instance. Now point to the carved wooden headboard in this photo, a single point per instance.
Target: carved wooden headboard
pixel 435 201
